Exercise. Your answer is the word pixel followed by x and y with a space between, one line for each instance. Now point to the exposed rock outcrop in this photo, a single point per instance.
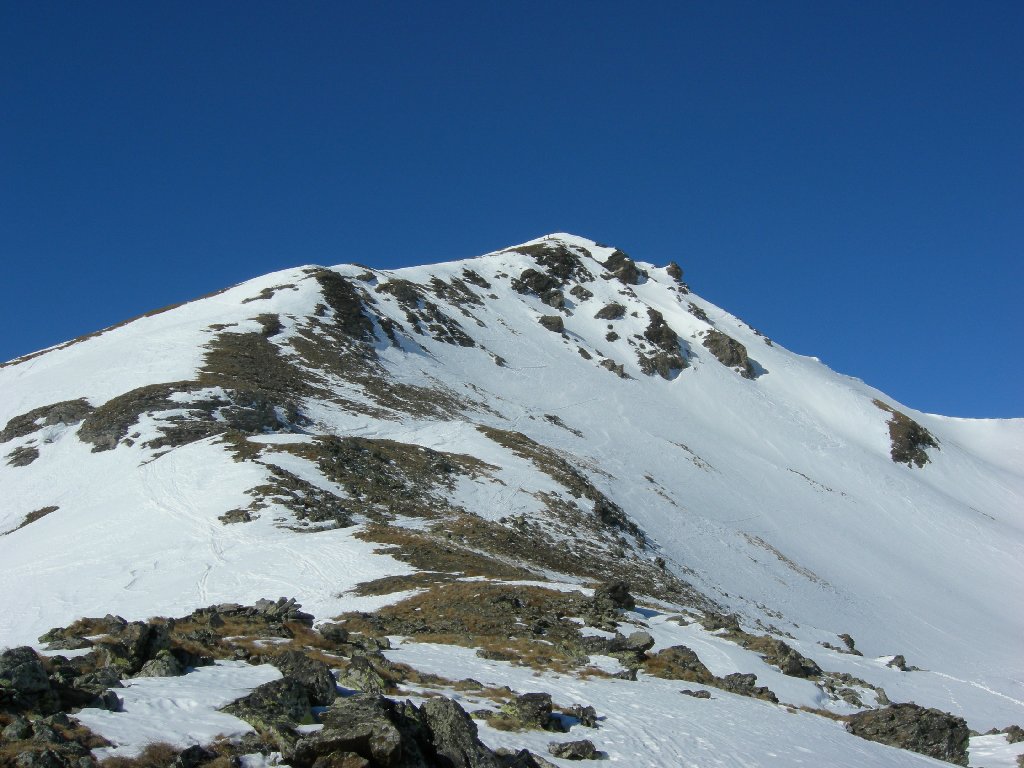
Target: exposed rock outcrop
pixel 909 726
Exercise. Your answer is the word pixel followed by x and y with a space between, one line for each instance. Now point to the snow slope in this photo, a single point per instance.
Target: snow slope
pixel 776 496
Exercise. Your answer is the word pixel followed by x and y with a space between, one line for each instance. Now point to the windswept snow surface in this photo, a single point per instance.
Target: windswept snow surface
pixel 775 496
pixel 178 710
pixel 649 722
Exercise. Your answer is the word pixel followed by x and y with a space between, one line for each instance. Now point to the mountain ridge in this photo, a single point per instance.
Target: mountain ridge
pixel 554 405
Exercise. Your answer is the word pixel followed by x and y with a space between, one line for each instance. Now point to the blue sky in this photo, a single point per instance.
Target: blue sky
pixel 847 177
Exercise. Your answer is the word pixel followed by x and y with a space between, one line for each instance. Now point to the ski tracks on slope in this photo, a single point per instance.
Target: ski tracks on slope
pixel 173 490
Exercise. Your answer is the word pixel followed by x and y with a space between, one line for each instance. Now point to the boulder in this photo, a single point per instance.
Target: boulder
pixel 314 675
pixel 745 685
pixel 696 694
pixel 927 731
pixel 585 715
pixel 624 268
pixel 272 705
pixel 612 311
pixel 524 758
pixel 163 665
pixel 1014 733
pixel 613 595
pixel 22 671
pixel 553 323
pixel 24 683
pixel 679 663
pixel 453 736
pixel 583 749
pixel 362 675
pixel 333 633
pixel 532 710
pixel 18 729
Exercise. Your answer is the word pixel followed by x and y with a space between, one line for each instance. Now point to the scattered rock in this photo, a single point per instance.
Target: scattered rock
pixel 696 694
pixel 637 643
pixel 929 732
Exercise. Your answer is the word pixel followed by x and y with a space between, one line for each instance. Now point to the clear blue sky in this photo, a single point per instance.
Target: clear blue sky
pixel 846 176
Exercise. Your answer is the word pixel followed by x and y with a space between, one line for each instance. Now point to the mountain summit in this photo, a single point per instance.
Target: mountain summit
pixel 551 455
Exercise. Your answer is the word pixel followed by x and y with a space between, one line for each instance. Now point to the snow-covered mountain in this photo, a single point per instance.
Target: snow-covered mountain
pixel 552 415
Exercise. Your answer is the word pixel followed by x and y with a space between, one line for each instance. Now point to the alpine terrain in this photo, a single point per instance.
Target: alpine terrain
pixel 541 506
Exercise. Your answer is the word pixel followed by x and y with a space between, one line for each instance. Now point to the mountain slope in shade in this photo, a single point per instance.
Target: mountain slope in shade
pixel 567 414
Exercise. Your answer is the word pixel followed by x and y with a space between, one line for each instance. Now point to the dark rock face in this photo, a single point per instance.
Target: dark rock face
pixel 553 323
pixel 314 675
pixel 908 438
pixel 583 749
pixel 278 703
pixel 613 595
pixel 585 715
pixel 453 735
pixel 558 261
pixel 697 312
pixel 343 299
pixel 362 675
pixel 680 663
pixel 674 271
pixel 542 284
pixel 64 412
pixel 667 360
pixel 164 664
pixel 729 352
pixel 22 456
pixel 612 311
pixel 533 710
pixel 624 268
pixel 783 656
pixel 369 730
pixel 1014 734
pixel 929 732
pixel 637 643
pixel 24 683
pixel 696 694
pixel 745 685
